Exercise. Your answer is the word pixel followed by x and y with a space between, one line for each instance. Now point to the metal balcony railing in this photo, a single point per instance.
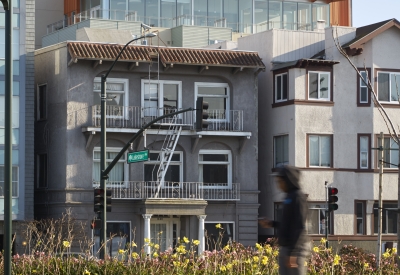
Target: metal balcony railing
pixel 136 117
pixel 141 190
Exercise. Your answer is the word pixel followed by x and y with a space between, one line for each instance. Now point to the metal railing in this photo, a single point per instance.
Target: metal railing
pixel 136 117
pixel 141 190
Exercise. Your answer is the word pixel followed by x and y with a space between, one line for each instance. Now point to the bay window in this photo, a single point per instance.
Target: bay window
pixel 319 86
pixel 388 87
pixel 281 150
pixel 281 87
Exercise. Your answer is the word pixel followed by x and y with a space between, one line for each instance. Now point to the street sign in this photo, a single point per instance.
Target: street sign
pixel 138 156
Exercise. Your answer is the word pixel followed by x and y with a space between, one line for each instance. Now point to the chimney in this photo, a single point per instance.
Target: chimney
pixel 320 25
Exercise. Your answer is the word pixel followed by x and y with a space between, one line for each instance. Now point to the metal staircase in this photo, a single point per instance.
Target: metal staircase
pixel 167 152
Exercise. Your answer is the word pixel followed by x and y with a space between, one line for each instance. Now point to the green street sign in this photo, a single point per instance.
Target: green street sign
pixel 138 156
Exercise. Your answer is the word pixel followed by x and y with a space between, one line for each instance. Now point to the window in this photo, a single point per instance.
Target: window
pixel 15 112
pixel 217 238
pixel 319 85
pixel 42 102
pixel 117 97
pixel 161 97
pixel 389 218
pixel 363 88
pixel 215 168
pixel 118 174
pixel 281 150
pixel 217 96
pixel 320 150
pixel 164 231
pixel 360 217
pixel 281 87
pixel 390 153
pixel 42 171
pixel 174 172
pixel 364 147
pixel 388 86
pixel 121 236
pixel 316 219
pixel 14 175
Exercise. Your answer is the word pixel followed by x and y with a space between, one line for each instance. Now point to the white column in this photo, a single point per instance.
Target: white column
pixel 146 234
pixel 202 239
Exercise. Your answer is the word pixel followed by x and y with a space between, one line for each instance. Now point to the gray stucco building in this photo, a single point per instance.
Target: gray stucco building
pixel 212 174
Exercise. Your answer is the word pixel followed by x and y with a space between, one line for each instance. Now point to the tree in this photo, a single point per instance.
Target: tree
pixel 389 124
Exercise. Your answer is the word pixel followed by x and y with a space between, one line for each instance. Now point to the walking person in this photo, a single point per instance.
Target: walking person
pixel 294 246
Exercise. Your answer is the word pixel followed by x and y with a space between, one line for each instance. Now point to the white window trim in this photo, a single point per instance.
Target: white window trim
pixel 160 84
pixel 229 163
pixel 362 85
pixel 281 92
pixel 321 207
pixel 367 151
pixel 329 86
pixel 222 222
pixel 124 81
pixel 155 162
pixel 212 84
pixel 38 118
pixel 319 148
pixel 121 160
pixel 169 226
pixel 274 154
pixel 390 86
pixel 13 181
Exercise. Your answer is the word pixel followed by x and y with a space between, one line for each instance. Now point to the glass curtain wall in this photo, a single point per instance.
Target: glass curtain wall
pixel 320 12
pixel 246 16
pixel 304 17
pixel 275 15
pixel 231 14
pixel 290 15
pixel 260 15
pixel 200 12
pixel 183 12
pixel 168 13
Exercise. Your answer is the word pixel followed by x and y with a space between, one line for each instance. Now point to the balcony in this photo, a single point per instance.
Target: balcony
pixel 136 117
pixel 140 190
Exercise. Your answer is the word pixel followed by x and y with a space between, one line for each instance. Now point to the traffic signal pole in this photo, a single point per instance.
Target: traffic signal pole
pixel 379 252
pixel 326 215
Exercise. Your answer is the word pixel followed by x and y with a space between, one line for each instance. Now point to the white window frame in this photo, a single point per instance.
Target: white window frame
pixel 39 105
pixel 155 162
pixel 362 218
pixel 15 182
pixel 229 163
pixel 281 91
pixel 363 86
pixel 320 207
pixel 319 77
pixel 169 222
pixel 160 103
pixel 364 152
pixel 125 92
pixel 390 86
pixel 319 148
pixel 197 85
pixel 274 155
pixel 396 152
pixel 121 160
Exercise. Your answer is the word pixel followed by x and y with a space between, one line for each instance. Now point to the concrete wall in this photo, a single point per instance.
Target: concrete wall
pixel 47 12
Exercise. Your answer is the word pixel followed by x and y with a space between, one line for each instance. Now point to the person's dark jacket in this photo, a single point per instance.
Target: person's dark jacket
pixel 292 224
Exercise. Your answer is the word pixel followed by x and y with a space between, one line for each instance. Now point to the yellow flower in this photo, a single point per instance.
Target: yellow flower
pixel 336 260
pixel 366 265
pixel 218 226
pixel 229 266
pixel 276 253
pixel 133 244
pixel 255 259
pixel 155 254
pixel 156 246
pixel 186 240
pixel 146 240
pixel 305 263
pixel 135 255
pixel 247 261
pixel 121 251
pixel 264 260
pixel 176 263
pixel 386 255
pixel 394 250
pixel 86 272
pixel 276 266
pixel 222 268
pixel 268 249
pixel 34 271
pixel 315 249
pixel 226 247
pixel 323 241
pixel 196 242
pixel 66 244
pixel 181 249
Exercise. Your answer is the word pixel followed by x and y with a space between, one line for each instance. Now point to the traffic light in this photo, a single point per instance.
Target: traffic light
pixel 332 199
pixel 99 200
pixel 201 114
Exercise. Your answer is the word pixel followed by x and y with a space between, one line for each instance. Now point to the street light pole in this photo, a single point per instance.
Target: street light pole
pixel 103 175
pixel 8 138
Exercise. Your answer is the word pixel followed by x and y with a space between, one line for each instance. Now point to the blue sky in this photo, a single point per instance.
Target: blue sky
pixel 367 12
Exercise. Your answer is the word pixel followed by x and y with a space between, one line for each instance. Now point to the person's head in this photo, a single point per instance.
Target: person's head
pixel 288 178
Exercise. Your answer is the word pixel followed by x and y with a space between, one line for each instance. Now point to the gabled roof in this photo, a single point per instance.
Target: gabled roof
pixel 168 56
pixel 366 33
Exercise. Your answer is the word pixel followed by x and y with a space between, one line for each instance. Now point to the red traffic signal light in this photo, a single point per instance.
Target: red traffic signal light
pixel 332 198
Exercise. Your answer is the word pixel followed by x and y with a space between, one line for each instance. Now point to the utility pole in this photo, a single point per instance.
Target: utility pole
pixel 326 215
pixel 379 252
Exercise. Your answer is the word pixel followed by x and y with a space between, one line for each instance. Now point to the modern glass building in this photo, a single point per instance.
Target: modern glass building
pixel 246 16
